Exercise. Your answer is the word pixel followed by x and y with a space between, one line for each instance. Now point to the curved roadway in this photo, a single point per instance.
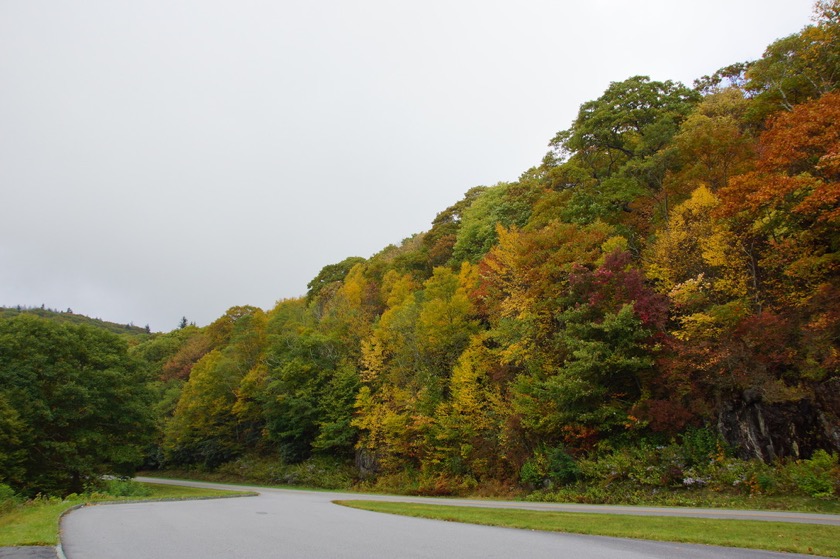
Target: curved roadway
pixel 282 523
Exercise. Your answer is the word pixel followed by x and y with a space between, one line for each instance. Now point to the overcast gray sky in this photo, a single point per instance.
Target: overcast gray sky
pixel 168 158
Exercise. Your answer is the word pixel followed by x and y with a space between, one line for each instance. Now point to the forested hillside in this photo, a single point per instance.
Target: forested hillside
pixel 69 317
pixel 661 289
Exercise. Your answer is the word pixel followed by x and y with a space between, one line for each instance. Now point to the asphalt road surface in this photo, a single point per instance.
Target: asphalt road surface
pixel 302 524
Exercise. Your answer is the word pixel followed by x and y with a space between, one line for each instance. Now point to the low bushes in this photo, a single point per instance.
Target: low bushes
pixel 677 474
pixel 8 498
pixel 318 472
pixel 818 477
pixel 696 471
pixel 124 488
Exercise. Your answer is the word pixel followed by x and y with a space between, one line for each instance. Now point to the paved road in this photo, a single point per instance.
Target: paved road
pixel 302 524
pixel 775 516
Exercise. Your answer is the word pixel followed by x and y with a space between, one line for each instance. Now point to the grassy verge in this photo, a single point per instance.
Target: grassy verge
pixel 36 522
pixel 774 536
pixel 699 498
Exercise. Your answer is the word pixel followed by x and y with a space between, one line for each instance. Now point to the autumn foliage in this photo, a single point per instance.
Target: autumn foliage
pixel 671 265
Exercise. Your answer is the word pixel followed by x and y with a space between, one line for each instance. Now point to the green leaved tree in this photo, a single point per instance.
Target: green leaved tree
pixel 73 406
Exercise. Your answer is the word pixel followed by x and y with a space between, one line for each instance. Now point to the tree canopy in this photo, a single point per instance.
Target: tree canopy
pixel 73 406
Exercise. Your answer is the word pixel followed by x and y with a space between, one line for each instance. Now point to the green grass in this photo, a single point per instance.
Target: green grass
pixel 815 539
pixel 36 522
pixel 699 498
pixel 616 495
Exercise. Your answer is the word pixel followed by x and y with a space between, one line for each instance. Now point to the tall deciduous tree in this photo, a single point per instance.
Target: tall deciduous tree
pixel 799 67
pixel 73 406
pixel 789 206
pixel 697 248
pixel 712 144
pixel 505 204
pixel 613 153
pixel 205 427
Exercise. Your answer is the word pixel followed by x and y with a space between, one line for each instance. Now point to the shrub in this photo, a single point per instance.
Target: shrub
pixel 531 472
pixel 646 466
pixel 126 488
pixel 549 466
pixel 562 468
pixel 318 471
pixel 8 498
pixel 662 466
pixel 321 472
pixel 607 468
pixel 700 446
pixel 816 477
pixel 444 485
pixel 405 481
pixel 745 476
pixel 254 469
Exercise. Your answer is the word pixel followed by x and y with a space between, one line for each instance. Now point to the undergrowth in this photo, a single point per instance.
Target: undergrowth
pixel 673 475
pixel 318 472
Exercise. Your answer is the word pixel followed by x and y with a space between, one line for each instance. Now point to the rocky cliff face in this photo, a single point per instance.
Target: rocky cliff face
pixel 367 462
pixel 828 401
pixel 771 430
